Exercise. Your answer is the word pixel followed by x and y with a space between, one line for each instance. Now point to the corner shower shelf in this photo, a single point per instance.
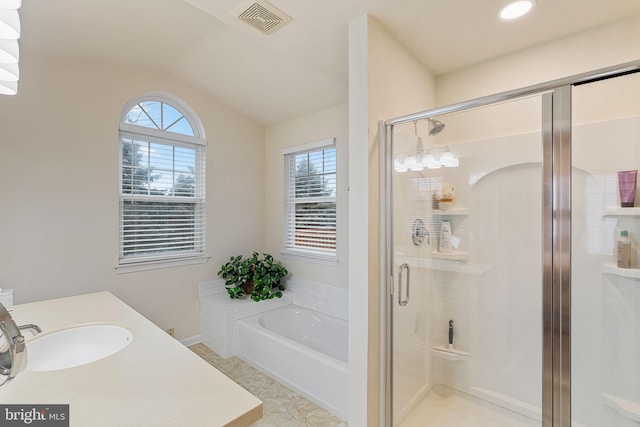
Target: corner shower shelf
pixel 452 212
pixel 631 273
pixel 622 211
pixel 449 354
pixel 628 409
pixel 457 266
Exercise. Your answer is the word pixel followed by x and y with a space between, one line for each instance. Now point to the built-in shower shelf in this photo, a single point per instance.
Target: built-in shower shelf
pixel 451 264
pixel 451 256
pixel 449 354
pixel 452 212
pixel 632 273
pixel 627 408
pixel 622 212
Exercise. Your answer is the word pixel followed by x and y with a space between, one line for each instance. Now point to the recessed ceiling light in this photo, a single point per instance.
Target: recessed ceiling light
pixel 516 9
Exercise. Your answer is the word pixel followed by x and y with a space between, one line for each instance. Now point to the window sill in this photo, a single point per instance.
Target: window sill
pixel 132 267
pixel 310 257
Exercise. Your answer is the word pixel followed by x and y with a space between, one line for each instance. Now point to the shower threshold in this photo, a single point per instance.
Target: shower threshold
pixel 446 407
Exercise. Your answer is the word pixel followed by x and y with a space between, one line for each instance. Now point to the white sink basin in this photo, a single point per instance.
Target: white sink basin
pixel 76 346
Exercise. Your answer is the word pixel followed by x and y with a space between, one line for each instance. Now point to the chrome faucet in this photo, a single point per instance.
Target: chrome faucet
pixel 30 327
pixel 13 351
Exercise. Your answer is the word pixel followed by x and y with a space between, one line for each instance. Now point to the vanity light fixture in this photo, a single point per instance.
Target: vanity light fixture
pixel 425 159
pixel 403 163
pixel 516 9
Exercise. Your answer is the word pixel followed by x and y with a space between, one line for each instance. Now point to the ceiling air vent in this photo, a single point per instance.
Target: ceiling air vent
pixel 261 15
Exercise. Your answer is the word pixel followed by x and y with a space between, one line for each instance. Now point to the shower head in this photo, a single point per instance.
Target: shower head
pixel 436 126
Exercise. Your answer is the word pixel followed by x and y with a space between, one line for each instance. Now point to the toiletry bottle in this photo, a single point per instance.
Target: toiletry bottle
pixel 627 186
pixel 445 237
pixel 624 250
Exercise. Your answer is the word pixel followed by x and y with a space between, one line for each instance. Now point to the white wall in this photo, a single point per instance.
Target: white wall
pixel 59 175
pixel 330 123
pixel 385 81
pixel 601 47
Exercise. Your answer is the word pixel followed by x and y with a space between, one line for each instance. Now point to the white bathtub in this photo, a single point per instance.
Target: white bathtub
pixel 301 348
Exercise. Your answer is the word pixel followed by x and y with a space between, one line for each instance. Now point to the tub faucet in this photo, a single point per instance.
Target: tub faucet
pixel 13 351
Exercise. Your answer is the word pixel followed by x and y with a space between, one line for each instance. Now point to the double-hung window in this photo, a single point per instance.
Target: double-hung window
pixel 162 180
pixel 310 201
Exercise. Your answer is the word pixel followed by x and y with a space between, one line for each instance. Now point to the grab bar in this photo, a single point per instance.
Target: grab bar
pixel 403 302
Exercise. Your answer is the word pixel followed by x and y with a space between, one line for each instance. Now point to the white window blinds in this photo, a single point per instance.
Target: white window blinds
pixel 310 201
pixel 162 203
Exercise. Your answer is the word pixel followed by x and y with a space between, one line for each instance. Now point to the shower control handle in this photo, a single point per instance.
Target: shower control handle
pixel 405 301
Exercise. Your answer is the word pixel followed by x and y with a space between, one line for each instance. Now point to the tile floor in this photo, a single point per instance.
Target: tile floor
pixel 282 407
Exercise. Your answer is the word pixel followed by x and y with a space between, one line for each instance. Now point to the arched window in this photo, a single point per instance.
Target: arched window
pixel 162 182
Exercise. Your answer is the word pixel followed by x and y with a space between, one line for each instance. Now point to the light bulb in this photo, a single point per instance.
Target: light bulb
pixel 9 24
pixel 516 9
pixel 448 160
pixel 454 163
pixel 413 164
pixel 9 52
pixel 8 88
pixel 10 4
pixel 430 162
pixel 9 72
pixel 399 164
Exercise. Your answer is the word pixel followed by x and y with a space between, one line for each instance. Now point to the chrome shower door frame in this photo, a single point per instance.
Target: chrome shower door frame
pixel 556 241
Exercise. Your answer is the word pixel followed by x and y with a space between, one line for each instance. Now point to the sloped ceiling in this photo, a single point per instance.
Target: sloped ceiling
pixel 303 67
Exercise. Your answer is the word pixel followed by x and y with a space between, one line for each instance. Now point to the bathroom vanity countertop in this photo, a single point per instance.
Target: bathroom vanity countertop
pixel 155 381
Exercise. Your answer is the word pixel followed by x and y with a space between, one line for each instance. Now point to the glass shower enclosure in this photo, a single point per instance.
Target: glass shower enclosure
pixel 504 302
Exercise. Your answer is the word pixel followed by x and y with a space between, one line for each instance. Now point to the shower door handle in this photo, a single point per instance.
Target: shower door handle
pixel 405 301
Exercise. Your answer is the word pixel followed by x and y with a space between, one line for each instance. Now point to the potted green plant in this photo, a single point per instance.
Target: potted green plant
pixel 258 276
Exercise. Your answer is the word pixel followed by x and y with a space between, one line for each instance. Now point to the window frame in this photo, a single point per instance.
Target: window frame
pixel 300 253
pixel 150 135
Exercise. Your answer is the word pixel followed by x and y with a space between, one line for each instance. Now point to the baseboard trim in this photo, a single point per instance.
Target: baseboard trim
pixel 191 340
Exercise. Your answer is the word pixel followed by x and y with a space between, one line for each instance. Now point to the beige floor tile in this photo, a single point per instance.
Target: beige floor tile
pixel 282 407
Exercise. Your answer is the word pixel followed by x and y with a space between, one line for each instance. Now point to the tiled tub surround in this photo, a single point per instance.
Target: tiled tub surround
pixel 219 313
pixel 326 299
